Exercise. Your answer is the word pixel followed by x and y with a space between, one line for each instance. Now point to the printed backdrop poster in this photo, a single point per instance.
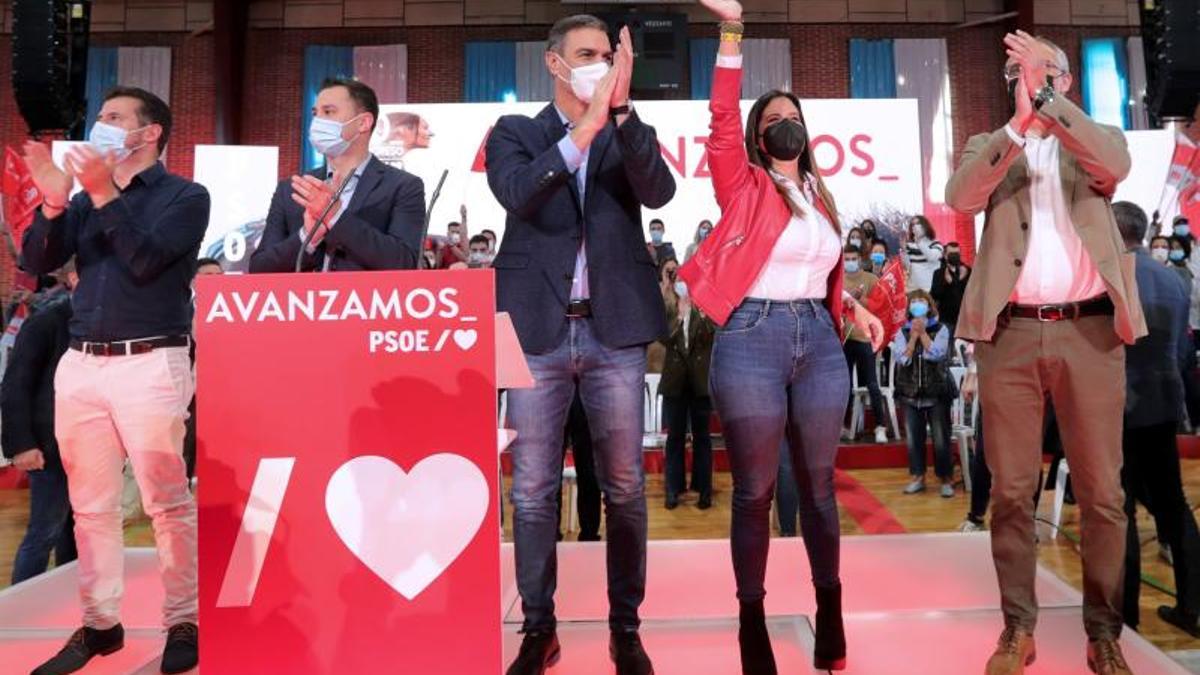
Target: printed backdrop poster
pixel 347 444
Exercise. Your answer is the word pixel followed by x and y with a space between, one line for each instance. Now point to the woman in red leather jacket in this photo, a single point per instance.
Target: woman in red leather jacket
pixel 770 274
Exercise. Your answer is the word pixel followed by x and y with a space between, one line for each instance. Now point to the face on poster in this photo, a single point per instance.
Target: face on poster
pixel 868 151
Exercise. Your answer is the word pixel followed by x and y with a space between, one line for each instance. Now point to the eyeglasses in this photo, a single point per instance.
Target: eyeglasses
pixel 1013 71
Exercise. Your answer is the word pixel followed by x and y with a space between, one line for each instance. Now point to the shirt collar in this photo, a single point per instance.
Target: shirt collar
pixel 358 171
pixel 563 117
pixel 150 175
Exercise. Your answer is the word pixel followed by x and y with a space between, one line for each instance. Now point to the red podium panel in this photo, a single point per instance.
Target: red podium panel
pixel 347 473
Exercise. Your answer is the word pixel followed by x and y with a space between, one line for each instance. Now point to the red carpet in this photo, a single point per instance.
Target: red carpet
pixel 870 513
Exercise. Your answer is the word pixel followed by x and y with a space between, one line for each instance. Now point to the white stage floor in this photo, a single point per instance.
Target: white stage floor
pixel 914 604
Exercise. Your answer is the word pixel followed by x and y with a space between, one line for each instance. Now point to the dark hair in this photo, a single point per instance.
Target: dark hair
pixel 887 250
pixel 657 220
pixel 151 110
pixel 558 32
pixel 1131 221
pixel 479 239
pixel 1180 220
pixel 851 248
pixel 759 157
pixel 487 232
pixel 363 96
pixel 208 261
pixel 920 294
pixel 1165 239
pixel 859 230
pixel 924 222
pixel 1185 244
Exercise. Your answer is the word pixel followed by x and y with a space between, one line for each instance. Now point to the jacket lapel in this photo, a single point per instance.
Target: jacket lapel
pixel 370 178
pixel 596 154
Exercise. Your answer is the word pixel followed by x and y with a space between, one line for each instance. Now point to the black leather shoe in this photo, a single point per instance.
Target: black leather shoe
pixel 83 645
pixel 182 652
pixel 625 649
pixel 672 501
pixel 538 652
pixel 829 653
pixel 587 537
pixel 705 502
pixel 754 641
pixel 1181 620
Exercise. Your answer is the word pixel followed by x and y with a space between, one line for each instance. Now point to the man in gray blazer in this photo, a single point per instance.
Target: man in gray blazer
pixel 1153 409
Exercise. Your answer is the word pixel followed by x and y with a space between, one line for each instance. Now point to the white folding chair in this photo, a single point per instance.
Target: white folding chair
pixel 889 396
pixel 570 479
pixel 860 397
pixel 652 435
pixel 1060 495
pixel 959 429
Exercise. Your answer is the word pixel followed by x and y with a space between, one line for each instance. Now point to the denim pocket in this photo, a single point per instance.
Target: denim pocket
pixel 744 319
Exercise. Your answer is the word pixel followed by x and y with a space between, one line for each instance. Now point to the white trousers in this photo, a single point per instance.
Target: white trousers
pixel 108 408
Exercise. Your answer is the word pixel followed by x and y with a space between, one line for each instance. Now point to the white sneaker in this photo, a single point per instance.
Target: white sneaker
pixel 847 435
pixel 881 434
pixel 1164 552
pixel 969 525
pixel 915 486
pixel 947 490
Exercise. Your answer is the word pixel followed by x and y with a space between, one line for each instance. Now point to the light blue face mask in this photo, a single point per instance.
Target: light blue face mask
pixel 107 138
pixel 1183 230
pixel 1176 255
pixel 919 309
pixel 656 236
pixel 852 266
pixel 326 136
pixel 878 258
pixel 681 289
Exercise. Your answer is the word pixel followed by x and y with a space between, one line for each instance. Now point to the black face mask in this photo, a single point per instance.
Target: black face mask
pixel 955 259
pixel 785 140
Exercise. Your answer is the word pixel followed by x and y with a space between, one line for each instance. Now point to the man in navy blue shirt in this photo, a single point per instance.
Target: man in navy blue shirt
pixel 123 387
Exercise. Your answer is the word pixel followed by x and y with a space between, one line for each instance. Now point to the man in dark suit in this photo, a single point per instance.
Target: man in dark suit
pixel 686 400
pixel 1153 409
pixel 27 436
pixel 377 221
pixel 574 273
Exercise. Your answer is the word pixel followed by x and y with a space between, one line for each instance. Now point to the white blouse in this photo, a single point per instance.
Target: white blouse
pixel 805 254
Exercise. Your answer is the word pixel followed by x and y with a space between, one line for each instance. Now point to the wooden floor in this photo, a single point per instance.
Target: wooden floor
pixel 926 512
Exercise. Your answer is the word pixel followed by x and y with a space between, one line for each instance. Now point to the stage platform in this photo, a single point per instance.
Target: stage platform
pixel 914 604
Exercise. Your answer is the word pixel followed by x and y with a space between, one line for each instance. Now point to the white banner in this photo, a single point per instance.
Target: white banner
pixel 868 150
pixel 241 180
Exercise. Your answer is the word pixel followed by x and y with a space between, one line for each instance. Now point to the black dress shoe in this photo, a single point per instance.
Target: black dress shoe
pixel 625 649
pixel 538 652
pixel 83 645
pixel 588 537
pixel 829 653
pixel 1179 619
pixel 183 648
pixel 754 641
pixel 705 502
pixel 672 501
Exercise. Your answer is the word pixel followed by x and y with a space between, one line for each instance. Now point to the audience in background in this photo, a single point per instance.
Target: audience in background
pixel 479 256
pixel 578 436
pixel 1153 407
pixel 860 356
pixel 1160 249
pixel 870 235
pixel 455 248
pixel 879 256
pixel 660 250
pixel 686 401
pixel 923 253
pixel 1179 255
pixel 491 237
pixel 949 285
pixel 27 435
pixel 924 386
pixel 702 231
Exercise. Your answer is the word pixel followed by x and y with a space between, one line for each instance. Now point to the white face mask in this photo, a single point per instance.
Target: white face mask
pixel 326 136
pixel 585 78
pixel 1159 254
pixel 108 138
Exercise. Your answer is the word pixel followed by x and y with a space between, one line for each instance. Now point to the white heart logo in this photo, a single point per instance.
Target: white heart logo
pixel 408 528
pixel 465 339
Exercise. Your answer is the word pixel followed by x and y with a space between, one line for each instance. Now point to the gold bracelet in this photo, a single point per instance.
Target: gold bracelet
pixel 731 37
pixel 732 27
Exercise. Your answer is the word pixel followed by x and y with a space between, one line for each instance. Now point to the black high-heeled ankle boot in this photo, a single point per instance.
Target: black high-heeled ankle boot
pixel 755 642
pixel 830 650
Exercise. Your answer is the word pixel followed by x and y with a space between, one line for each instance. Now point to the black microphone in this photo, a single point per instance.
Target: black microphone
pixel 428 216
pixel 321 224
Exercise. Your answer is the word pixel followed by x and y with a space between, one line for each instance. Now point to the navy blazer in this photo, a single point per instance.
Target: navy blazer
pixel 379 230
pixel 1155 363
pixel 545 226
pixel 27 391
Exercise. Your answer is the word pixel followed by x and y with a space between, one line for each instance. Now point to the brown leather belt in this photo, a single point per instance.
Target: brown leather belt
pixel 1071 311
pixel 129 347
pixel 579 309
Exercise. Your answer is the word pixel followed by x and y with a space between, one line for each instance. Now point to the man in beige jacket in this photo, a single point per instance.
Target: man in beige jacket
pixel 1051 305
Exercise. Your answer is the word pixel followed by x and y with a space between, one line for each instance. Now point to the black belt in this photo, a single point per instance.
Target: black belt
pixel 1101 306
pixel 579 309
pixel 129 347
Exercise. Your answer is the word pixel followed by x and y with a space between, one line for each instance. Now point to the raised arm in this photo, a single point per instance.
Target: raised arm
pixel 728 163
pixel 1101 150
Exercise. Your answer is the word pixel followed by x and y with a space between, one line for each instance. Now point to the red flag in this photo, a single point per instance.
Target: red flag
pixel 21 196
pixel 888 299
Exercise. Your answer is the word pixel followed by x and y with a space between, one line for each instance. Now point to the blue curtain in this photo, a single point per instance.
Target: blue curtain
pixel 872 69
pixel 320 62
pixel 101 76
pixel 491 72
pixel 703 53
pixel 1106 81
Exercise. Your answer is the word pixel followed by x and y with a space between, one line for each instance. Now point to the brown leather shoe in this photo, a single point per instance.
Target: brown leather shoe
pixel 1104 657
pixel 1014 650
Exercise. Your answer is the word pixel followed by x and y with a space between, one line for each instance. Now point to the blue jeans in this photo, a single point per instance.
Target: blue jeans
pixel 50 525
pixel 610 383
pixel 778 369
pixel 938 417
pixel 787 499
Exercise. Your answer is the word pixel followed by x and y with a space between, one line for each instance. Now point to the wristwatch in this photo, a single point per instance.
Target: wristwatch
pixel 1044 96
pixel 618 110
